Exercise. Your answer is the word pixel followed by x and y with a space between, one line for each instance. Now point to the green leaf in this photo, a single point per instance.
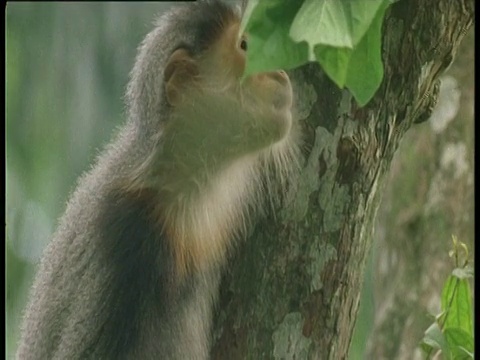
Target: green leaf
pixel 334 62
pixel 274 52
pixel 456 300
pixel 354 60
pixel 269 45
pixel 469 355
pixel 365 70
pixel 435 339
pixel 459 342
pixel 247 14
pixel 334 23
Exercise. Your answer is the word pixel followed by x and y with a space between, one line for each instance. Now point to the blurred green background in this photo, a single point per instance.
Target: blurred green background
pixel 67 66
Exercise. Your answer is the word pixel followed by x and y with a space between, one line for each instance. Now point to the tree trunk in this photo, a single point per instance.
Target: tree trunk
pixel 292 290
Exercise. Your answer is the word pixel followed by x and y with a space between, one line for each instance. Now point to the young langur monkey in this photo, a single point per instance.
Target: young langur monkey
pixel 133 269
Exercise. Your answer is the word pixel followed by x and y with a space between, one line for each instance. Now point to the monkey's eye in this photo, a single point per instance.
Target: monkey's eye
pixel 243 44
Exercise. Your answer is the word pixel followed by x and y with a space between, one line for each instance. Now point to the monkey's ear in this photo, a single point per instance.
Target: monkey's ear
pixel 179 73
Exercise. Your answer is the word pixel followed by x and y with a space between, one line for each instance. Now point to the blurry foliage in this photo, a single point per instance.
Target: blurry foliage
pixel 67 66
pixel 451 334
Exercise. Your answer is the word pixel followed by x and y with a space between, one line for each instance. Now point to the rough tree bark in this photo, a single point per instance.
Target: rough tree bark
pixel 292 290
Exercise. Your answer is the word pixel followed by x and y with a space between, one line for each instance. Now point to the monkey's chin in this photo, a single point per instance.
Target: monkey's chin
pixel 281 111
pixel 282 99
pixel 281 119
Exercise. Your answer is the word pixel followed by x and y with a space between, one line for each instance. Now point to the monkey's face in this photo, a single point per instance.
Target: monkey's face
pixel 247 114
pixel 266 95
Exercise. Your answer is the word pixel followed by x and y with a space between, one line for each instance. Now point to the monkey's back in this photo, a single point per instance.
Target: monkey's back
pixel 65 308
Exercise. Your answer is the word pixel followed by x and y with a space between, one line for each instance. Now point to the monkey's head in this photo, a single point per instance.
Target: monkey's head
pixel 188 88
pixel 262 101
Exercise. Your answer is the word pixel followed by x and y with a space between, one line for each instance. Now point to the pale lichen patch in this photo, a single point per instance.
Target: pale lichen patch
pixel 288 340
pixel 320 253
